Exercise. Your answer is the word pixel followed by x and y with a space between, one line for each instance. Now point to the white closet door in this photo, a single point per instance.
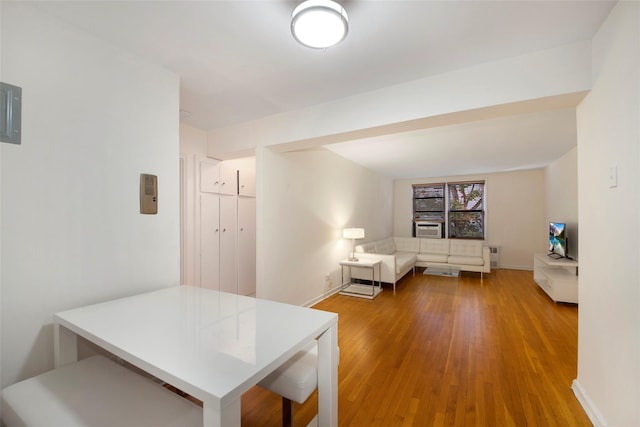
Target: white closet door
pixel 228 178
pixel 246 246
pixel 209 176
pixel 247 177
pixel 228 244
pixel 209 241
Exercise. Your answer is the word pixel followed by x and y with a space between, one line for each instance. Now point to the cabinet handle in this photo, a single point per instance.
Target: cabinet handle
pixel 224 229
pixel 217 230
pixel 216 183
pixel 242 229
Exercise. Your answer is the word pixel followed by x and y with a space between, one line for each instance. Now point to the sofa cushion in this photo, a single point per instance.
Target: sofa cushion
pixel 465 260
pixel 404 260
pixel 385 246
pixel 432 257
pixel 470 248
pixel 367 248
pixel 434 246
pixel 407 244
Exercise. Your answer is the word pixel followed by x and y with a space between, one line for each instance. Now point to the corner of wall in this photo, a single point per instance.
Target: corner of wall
pixel 592 412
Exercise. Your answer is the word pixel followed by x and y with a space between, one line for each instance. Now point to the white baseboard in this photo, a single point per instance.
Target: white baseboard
pixel 324 296
pixel 594 415
pixel 516 267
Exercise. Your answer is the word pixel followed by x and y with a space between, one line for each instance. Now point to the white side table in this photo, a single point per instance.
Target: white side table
pixel 357 289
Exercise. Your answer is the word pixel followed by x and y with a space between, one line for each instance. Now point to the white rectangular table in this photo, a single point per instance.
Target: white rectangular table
pixel 212 345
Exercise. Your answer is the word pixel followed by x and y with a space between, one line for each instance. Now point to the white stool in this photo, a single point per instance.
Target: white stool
pixel 295 380
pixel 95 392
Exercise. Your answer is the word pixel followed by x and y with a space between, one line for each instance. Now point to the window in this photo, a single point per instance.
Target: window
pixel 466 210
pixel 458 204
pixel 428 202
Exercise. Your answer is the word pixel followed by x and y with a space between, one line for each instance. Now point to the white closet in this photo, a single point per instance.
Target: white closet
pixel 227 218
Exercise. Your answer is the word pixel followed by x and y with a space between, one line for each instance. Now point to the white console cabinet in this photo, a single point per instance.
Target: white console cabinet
pixel 557 277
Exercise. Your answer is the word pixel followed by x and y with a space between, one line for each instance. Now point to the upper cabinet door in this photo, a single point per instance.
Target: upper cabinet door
pixel 232 177
pixel 218 177
pixel 209 176
pixel 228 178
pixel 247 177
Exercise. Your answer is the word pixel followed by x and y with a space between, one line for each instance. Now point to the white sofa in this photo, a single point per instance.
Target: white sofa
pixel 399 255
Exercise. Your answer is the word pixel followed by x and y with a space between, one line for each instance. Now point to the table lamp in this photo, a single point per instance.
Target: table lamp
pixel 353 234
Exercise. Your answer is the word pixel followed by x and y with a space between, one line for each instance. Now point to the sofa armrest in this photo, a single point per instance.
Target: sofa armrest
pixel 486 256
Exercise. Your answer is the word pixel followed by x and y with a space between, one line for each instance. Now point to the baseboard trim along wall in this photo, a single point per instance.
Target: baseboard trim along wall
pixel 587 404
pixel 324 296
pixel 516 267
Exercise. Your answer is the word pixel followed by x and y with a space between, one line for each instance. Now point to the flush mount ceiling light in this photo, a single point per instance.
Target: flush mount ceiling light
pixel 319 23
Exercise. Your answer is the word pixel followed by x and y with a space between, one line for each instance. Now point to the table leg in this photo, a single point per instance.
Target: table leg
pixel 373 281
pixel 65 346
pixel 216 416
pixel 343 283
pixel 328 377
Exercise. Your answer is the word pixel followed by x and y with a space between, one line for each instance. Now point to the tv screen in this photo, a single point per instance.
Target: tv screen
pixel 557 239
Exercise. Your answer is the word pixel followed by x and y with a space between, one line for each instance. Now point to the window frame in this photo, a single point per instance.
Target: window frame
pixel 440 218
pixel 448 219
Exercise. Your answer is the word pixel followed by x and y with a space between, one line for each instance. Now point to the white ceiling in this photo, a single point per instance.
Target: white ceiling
pixel 237 62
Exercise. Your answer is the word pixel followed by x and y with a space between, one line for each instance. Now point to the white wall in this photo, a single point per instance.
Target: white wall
pixel 608 380
pixel 515 216
pixel 561 190
pixel 93 119
pixel 193 145
pixel 305 199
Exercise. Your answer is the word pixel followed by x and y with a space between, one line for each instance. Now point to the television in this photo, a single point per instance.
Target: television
pixel 557 240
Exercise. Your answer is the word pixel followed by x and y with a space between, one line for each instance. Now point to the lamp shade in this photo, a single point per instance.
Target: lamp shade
pixel 353 233
pixel 319 23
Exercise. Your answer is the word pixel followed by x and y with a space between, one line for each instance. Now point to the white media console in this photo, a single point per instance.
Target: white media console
pixel 557 277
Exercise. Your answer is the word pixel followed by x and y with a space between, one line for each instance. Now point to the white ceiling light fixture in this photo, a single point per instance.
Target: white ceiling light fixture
pixel 319 24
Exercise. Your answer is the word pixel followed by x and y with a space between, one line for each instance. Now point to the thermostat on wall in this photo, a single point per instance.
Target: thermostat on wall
pixel 148 194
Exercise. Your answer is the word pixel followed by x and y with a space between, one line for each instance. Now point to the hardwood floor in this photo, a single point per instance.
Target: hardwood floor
pixel 448 352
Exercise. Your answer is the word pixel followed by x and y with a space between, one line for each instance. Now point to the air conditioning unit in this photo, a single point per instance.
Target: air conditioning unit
pixel 430 230
pixel 494 256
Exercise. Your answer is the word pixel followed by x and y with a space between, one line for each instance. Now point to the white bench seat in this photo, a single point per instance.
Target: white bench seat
pixel 95 392
pixel 297 378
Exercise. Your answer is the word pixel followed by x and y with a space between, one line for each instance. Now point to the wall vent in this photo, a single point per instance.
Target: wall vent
pixel 494 252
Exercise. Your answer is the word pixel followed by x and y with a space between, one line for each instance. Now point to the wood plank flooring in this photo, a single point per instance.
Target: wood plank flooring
pixel 448 352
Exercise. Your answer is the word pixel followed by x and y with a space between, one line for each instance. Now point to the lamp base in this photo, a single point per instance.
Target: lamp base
pixel 352 255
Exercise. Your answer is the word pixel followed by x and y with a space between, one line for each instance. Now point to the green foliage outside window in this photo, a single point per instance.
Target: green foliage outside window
pixel 466 210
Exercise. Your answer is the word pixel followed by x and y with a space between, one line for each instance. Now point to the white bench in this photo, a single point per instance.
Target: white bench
pixel 95 392
pixel 294 380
